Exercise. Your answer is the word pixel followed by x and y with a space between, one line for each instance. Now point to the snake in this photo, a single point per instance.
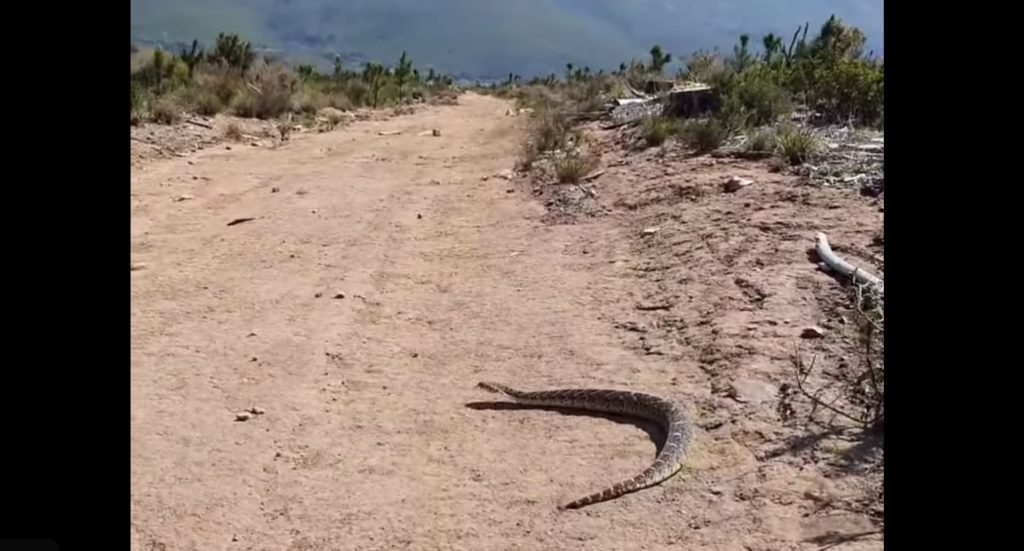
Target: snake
pixel 666 413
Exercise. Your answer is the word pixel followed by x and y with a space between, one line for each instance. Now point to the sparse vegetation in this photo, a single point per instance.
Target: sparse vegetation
pixel 756 86
pixel 656 130
pixel 233 132
pixel 858 394
pixel 795 145
pixel 760 141
pixel 706 135
pixel 571 166
pixel 334 118
pixel 232 76
pixel 165 111
pixel 552 131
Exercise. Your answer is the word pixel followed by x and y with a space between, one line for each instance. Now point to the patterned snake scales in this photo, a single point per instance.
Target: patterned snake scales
pixel 635 404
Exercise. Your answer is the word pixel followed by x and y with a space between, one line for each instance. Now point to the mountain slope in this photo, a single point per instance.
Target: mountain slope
pixel 494 37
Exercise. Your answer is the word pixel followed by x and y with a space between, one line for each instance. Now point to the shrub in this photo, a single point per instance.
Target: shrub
pixel 233 132
pixel 656 130
pixel 165 111
pixel 357 91
pixel 334 118
pixel 760 141
pixel 843 90
pixel 270 97
pixel 753 97
pixel 572 166
pixel 796 145
pixel 528 155
pixel 232 51
pixel 201 100
pixel 552 131
pixel 208 103
pixel 310 100
pixel 706 135
pixel 339 101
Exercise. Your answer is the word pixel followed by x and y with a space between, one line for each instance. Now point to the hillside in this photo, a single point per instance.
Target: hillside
pixel 485 39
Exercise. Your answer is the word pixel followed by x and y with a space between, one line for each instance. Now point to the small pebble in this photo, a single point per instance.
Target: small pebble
pixel 339 295
pixel 275 189
pixel 243 416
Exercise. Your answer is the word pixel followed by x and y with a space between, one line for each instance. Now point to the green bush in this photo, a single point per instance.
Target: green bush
pixel 207 103
pixel 706 135
pixel 795 145
pixel 843 89
pixel 656 130
pixel 760 141
pixel 753 97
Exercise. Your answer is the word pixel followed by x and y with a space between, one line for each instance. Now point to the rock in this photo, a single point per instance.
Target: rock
pixel 419 216
pixel 436 133
pixel 275 189
pixel 506 174
pixel 822 491
pixel 243 416
pixel 257 410
pixel 812 332
pixel 650 231
pixel 752 391
pixel 734 183
pixel 318 295
pixel 183 197
pixel 136 266
pixel 339 295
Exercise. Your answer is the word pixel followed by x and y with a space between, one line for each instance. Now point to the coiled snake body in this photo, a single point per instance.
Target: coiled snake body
pixel 634 404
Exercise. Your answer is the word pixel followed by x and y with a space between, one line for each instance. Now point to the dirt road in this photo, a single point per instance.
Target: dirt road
pixel 379 279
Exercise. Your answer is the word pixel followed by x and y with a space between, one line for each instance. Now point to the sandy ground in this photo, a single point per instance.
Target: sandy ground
pixel 381 277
